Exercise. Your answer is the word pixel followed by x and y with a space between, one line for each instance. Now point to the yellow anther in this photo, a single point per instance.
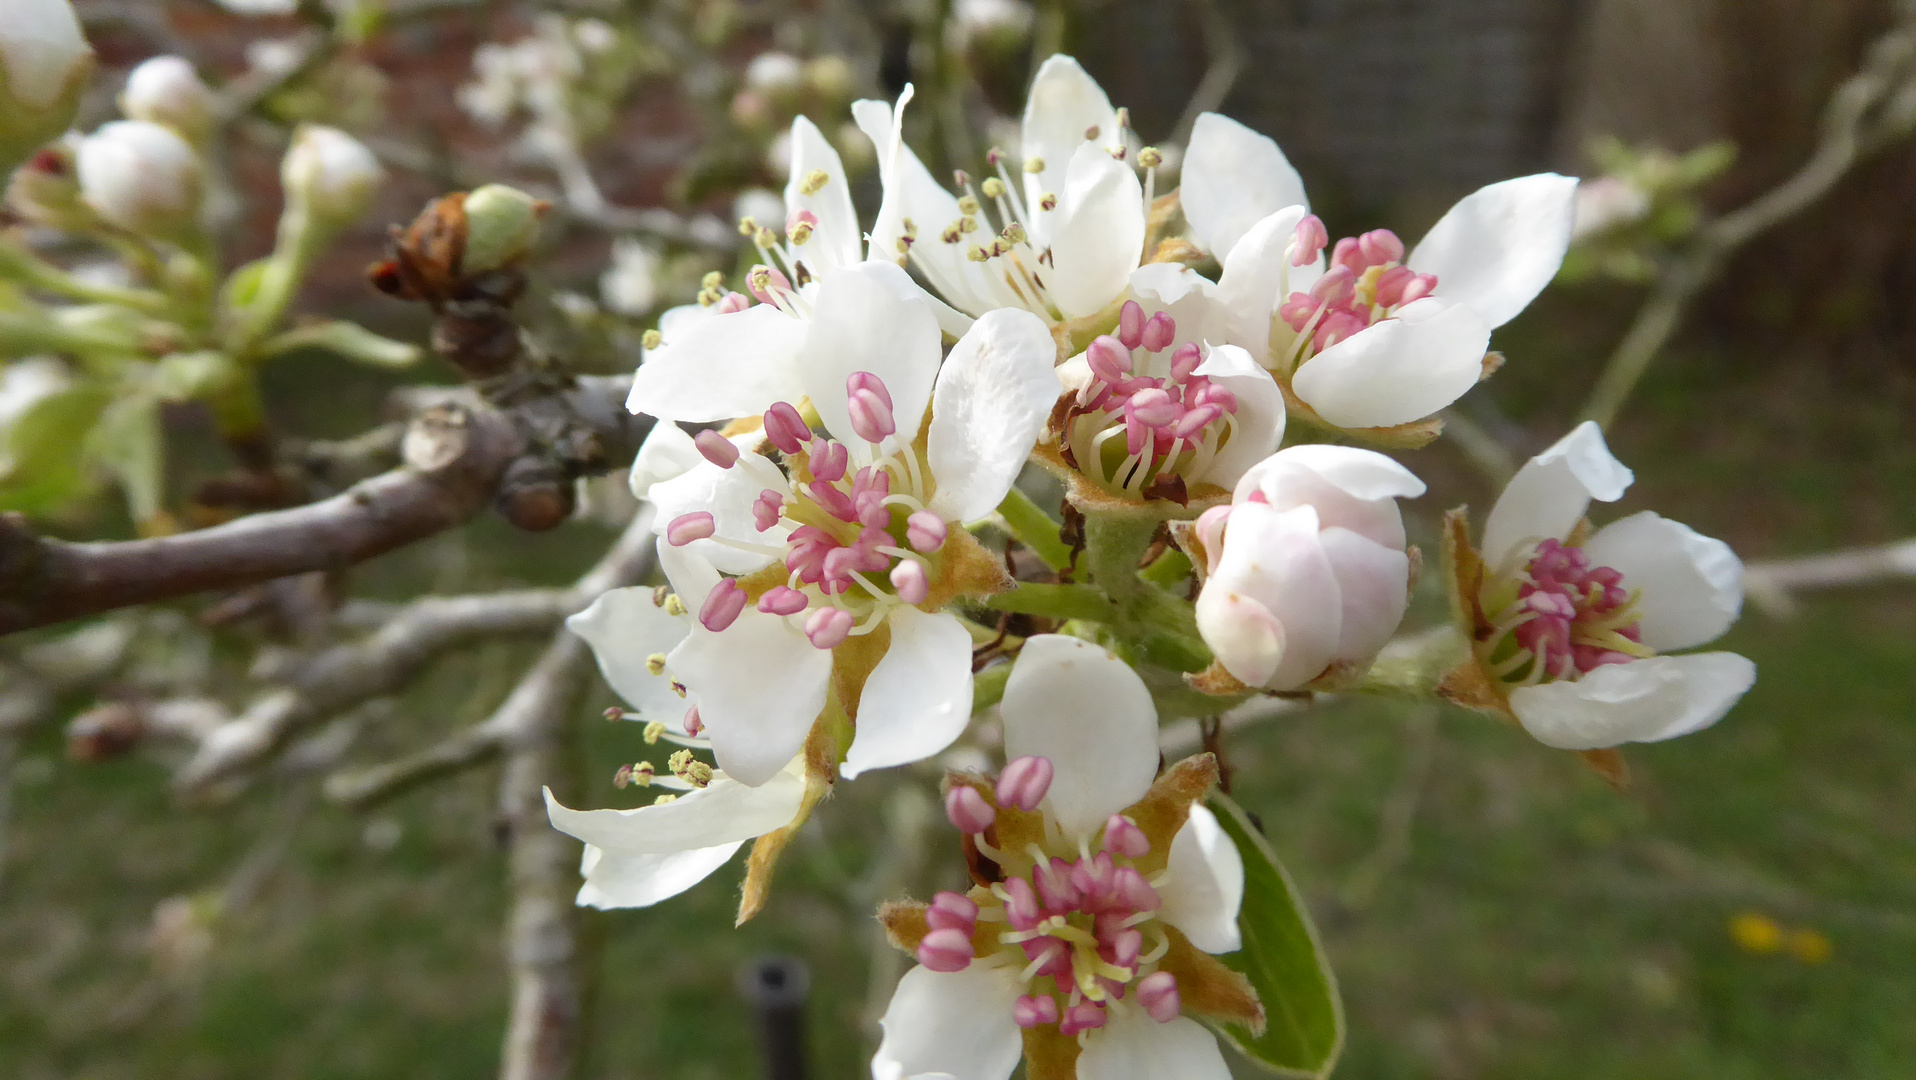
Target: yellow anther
pixel 1150 157
pixel 994 188
pixel 673 605
pixel 1049 202
pixel 668 797
pixel 801 233
pixel 655 664
pixel 765 238
pixel 1035 165
pixel 814 180
pixel 712 280
pixel 967 206
pixel 952 233
pixel 642 773
pixel 747 226
pixel 652 732
pixel 652 339
pixel 977 254
pixel 969 225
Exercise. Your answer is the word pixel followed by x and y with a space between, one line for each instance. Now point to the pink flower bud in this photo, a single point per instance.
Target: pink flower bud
pixel 909 578
pixel 925 532
pixel 1158 994
pixel 780 600
pixel 1159 330
pixel 1130 325
pixel 1153 407
pixel 967 809
pixel 689 527
pixel 1186 361
pixel 828 627
pixel 722 605
pixel 765 510
pixel 716 448
pixel 946 950
pixel 828 460
pixel 952 911
pixel 1024 782
pixel 1082 1017
pixel 1310 238
pixel 1031 1012
pixel 786 428
pixel 1123 837
pixel 774 283
pixel 1108 358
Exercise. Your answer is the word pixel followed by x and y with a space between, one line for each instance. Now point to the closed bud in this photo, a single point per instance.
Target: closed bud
pixel 502 224
pixel 331 174
pixel 141 177
pixel 1309 574
pixel 167 91
pixel 44 66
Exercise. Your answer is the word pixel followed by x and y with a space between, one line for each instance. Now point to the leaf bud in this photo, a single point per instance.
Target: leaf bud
pixel 502 224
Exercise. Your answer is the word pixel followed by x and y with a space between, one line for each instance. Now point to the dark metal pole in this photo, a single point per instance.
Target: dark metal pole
pixel 775 987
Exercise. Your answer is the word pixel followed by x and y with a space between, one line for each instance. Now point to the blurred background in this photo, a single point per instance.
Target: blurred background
pixel 1746 910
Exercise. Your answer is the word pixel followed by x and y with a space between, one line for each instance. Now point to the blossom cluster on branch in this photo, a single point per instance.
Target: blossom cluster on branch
pixel 1214 383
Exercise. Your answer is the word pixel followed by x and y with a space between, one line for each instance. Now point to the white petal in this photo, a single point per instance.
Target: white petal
pixel 1373 581
pixel 624 627
pixel 723 367
pixel 1256 271
pixel 691 574
pixel 1260 415
pixel 723 812
pixel 1551 493
pixel 1097 235
pixel 1233 177
pixel 636 881
pixel 1399 370
pixel 1241 632
pixel 835 241
pixel 862 322
pixel 1350 488
pixel 1184 295
pixel 1692 584
pixel 1642 701
pixel 728 495
pixel 1064 104
pixel 917 700
pixel 1132 1046
pixel 1274 560
pixel 992 399
pixel 667 453
pixel 1500 246
pixel 957 1023
pixel 1204 887
pixel 1086 710
pixel 912 195
pixel 760 684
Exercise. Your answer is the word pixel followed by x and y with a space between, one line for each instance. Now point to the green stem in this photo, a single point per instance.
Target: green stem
pixel 988 687
pixel 1035 529
pixel 1113 547
pixel 1056 602
pixel 37 273
pixel 1413 666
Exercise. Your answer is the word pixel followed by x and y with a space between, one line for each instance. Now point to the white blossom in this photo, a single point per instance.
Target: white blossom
pixel 166 90
pixel 142 177
pixel 1381 336
pixel 1576 626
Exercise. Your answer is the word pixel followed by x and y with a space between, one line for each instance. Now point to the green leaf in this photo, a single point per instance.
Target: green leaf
pixel 129 443
pixel 1304 1029
pixel 42 452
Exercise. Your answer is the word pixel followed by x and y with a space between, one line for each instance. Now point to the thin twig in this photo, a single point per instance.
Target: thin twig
pixel 362 788
pixel 1771 584
pixel 542 1035
pixel 1869 111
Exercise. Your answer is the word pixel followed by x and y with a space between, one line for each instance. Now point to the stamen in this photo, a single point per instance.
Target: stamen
pixel 689 527
pixel 1024 782
pixel 722 606
pixel 716 448
pixel 967 809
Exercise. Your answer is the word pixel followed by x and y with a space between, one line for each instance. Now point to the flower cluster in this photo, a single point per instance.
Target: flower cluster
pixel 833 437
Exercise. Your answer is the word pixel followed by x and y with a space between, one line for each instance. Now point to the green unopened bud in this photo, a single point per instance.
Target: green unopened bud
pixel 44 67
pixel 332 176
pixel 502 224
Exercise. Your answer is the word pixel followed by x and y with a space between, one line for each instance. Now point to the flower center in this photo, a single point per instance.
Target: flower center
pixel 1080 929
pixel 1366 283
pixel 1014 265
pixel 1562 618
pixel 862 539
pixel 1146 418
